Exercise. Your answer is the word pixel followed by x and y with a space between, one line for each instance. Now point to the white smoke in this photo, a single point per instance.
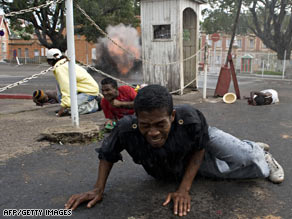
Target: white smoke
pixel 128 38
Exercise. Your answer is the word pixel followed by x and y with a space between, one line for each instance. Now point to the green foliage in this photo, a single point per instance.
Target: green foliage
pixel 23 31
pixel 137 7
pixel 217 21
pixel 100 136
pixel 221 16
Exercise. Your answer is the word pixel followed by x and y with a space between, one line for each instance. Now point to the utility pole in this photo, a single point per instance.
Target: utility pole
pixel 71 56
pixel 234 30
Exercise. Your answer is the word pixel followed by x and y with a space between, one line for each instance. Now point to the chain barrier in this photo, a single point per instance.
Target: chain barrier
pixel 178 90
pixel 47 4
pixel 31 77
pixel 25 80
pixel 105 74
pixel 128 52
pixel 123 82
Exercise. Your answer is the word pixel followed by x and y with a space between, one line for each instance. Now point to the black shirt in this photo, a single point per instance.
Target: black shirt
pixel 189 133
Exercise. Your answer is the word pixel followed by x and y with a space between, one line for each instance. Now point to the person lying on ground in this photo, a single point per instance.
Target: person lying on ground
pixel 175 144
pixel 117 101
pixel 41 97
pixel 88 96
pixel 264 97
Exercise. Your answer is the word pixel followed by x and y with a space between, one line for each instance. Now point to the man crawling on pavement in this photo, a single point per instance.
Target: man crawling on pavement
pixel 176 143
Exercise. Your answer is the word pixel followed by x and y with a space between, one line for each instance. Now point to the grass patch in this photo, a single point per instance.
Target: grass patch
pixel 269 73
pixel 99 137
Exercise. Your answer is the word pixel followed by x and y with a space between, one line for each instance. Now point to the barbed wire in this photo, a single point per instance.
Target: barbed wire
pixel 23 11
pixel 128 52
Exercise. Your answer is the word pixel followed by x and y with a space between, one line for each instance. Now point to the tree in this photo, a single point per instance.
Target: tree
pixel 220 18
pixel 268 23
pixel 270 20
pixel 49 23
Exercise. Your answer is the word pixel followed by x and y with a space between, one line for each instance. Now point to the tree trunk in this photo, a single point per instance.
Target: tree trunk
pixel 281 54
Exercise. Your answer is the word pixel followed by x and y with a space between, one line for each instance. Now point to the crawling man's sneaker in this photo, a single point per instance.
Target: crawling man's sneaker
pixel 276 171
pixel 264 146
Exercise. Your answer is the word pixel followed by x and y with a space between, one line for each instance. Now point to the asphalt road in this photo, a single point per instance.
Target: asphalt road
pixel 45 177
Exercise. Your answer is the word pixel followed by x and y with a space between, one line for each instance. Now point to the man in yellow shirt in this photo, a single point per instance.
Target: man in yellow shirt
pixel 88 96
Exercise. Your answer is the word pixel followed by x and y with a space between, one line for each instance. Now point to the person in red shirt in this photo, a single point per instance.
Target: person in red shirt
pixel 117 101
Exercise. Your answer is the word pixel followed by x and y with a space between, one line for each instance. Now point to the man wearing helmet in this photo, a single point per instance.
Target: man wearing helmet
pixel 88 96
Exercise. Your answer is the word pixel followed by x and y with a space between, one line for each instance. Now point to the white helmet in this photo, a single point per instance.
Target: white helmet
pixel 54 54
pixel 229 98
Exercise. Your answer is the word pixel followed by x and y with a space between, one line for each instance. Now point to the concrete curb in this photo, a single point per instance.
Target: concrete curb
pixel 15 96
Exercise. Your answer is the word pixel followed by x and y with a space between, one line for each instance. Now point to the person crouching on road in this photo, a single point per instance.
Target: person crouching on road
pixel 117 101
pixel 264 97
pixel 41 97
pixel 88 96
pixel 176 143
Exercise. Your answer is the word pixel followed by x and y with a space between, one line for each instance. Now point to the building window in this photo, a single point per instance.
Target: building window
pixel 36 53
pixel 239 43
pixel 26 55
pixel 227 43
pixel 236 43
pixel 93 53
pixel 3 47
pixel 218 58
pixel 19 52
pixel 161 31
pixel 251 43
pixel 218 43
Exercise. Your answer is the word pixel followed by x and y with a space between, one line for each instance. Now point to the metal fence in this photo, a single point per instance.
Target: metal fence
pixel 256 64
pixel 24 60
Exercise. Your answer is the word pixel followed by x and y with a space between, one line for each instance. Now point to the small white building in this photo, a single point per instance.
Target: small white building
pixel 170 34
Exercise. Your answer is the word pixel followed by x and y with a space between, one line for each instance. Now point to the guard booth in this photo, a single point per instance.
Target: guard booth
pixel 170 34
pixel 246 63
